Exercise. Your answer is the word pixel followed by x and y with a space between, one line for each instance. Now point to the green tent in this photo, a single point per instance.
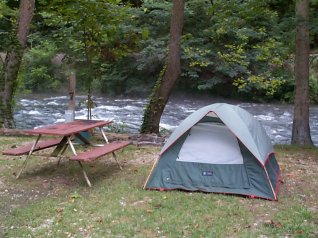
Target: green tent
pixel 219 148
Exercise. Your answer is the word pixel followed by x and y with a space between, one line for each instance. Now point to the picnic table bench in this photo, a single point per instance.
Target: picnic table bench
pixel 100 151
pixel 26 148
pixel 69 131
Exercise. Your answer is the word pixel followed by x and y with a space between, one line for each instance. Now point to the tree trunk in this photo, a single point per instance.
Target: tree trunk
pixel 169 75
pixel 72 88
pixel 301 129
pixel 8 79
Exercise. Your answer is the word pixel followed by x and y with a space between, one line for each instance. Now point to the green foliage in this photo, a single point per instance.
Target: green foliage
pixel 313 88
pixel 313 23
pixel 117 128
pixel 3 9
pixel 7 25
pixel 90 33
pixel 237 43
pixel 135 73
pixel 38 73
pixel 261 86
pixel 229 47
pixel 313 78
pixel 152 20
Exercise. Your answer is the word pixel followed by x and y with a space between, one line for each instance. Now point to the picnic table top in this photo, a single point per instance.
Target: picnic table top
pixel 67 128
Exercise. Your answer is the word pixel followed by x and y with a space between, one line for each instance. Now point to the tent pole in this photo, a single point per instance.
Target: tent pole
pixel 270 183
pixel 153 167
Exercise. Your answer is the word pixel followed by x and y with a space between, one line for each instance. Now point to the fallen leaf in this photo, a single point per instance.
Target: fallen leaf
pixel 71 200
pixel 300 232
pixel 59 210
pixel 273 224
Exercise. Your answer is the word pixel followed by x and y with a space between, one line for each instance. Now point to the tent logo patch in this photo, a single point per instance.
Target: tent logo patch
pixel 207 173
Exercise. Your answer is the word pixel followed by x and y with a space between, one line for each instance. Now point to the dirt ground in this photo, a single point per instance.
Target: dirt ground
pixel 40 179
pixel 299 169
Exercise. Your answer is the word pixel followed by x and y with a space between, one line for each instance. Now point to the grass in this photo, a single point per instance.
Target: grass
pixel 54 201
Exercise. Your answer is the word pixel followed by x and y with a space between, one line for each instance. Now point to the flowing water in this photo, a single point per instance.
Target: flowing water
pixel 33 111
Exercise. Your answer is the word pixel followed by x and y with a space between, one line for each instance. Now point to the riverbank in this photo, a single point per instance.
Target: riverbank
pixel 127 113
pixel 54 201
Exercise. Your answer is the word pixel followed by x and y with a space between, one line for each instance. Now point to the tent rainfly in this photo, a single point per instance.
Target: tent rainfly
pixel 219 148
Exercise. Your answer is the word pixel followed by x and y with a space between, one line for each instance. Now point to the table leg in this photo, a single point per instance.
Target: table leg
pixel 74 152
pixel 71 145
pixel 85 175
pixel 59 147
pixel 28 156
pixel 115 157
pixel 107 142
pixel 103 134
pixel 61 154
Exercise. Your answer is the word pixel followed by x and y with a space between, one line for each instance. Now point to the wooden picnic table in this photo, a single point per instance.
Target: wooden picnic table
pixel 67 132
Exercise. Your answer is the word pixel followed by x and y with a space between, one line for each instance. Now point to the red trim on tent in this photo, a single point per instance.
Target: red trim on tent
pixel 277 184
pixel 268 157
pixel 277 174
pixel 270 183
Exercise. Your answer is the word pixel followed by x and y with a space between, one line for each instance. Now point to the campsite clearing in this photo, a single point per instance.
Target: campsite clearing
pixel 51 202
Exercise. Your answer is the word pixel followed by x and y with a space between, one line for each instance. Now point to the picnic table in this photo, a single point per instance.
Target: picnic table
pixel 66 134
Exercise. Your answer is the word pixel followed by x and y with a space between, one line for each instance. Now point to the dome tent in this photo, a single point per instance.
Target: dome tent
pixel 219 148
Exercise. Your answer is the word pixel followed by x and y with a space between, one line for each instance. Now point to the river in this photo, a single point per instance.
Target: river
pixel 34 110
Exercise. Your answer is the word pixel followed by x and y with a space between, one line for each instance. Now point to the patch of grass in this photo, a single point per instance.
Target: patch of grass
pixel 295 221
pixel 54 201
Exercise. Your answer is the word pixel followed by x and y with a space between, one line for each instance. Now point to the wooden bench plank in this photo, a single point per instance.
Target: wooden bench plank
pixel 100 151
pixel 24 149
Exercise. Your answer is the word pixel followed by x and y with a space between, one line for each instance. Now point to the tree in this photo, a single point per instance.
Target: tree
pixel 301 129
pixel 8 78
pixel 91 34
pixel 169 75
pixel 231 49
